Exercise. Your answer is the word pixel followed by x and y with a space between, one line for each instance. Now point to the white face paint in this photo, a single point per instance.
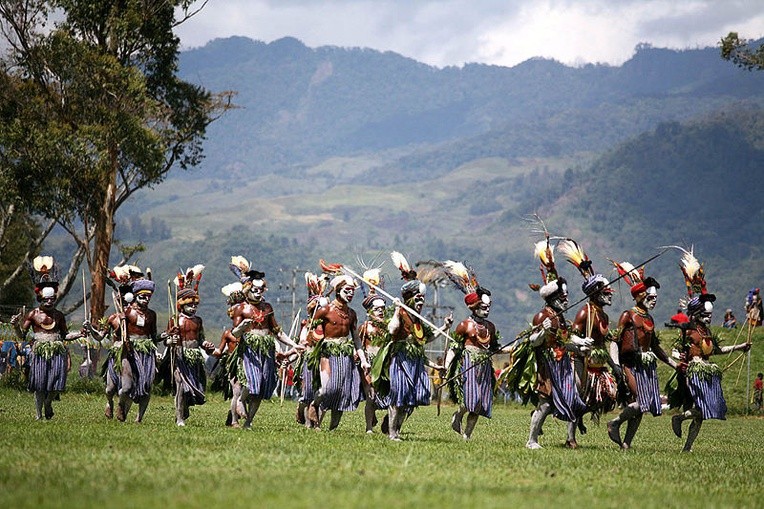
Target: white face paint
pixel 190 308
pixel 142 299
pixel 256 291
pixel 706 314
pixel 651 299
pixel 482 310
pixel 346 293
pixel 378 309
pixel 560 302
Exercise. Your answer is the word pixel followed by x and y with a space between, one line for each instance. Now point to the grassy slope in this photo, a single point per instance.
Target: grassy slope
pixel 81 460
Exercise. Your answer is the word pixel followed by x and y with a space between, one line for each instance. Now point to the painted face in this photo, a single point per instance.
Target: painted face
pixel 604 298
pixel 378 309
pixel 48 303
pixel 560 301
pixel 705 315
pixel 190 308
pixel 482 309
pixel 142 299
pixel 346 293
pixel 256 291
pixel 418 302
pixel 651 299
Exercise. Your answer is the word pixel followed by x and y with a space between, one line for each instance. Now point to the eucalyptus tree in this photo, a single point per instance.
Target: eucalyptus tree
pixel 96 112
pixel 741 53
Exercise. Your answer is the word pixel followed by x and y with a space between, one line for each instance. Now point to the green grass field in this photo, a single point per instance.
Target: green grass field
pixel 80 459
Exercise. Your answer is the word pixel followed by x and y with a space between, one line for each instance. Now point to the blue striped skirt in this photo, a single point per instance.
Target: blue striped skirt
pixel 308 394
pixel 259 371
pixel 409 383
pixel 708 396
pixel 477 385
pixel 343 390
pixel 47 375
pixel 192 381
pixel 568 405
pixel 648 391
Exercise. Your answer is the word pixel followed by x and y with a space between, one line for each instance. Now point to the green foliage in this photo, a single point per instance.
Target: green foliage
pixel 742 52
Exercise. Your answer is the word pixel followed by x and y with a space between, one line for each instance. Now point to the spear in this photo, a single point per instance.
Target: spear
pixel 286 361
pixel 536 328
pixel 85 305
pixel 171 319
pixel 435 328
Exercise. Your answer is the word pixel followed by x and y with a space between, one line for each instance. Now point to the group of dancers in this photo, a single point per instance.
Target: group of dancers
pixel 567 369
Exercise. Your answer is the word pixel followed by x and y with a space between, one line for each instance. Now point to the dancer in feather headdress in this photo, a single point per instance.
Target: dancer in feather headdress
pixel 400 366
pixel 49 358
pixel 130 368
pixel 311 332
pixel 636 350
pixel 373 335
pixel 468 361
pixel 187 339
pixel 340 389
pixel 256 328
pixel 552 341
pixel 596 384
pixel 699 379
pixel 225 380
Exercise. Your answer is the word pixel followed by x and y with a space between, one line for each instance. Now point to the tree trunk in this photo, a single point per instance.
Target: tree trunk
pixel 104 234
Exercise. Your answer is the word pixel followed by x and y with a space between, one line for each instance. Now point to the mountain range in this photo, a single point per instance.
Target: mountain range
pixel 350 153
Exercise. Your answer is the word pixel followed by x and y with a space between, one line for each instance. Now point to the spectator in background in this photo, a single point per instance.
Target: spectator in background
pixel 758 391
pixel 679 317
pixel 753 307
pixel 730 322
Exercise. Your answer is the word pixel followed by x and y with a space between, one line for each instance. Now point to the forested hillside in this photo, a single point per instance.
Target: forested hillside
pixel 337 153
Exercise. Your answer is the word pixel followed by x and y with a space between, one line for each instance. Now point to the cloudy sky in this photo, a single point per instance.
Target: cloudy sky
pixel 501 32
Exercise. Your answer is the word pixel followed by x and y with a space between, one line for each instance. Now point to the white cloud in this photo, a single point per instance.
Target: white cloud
pixel 453 32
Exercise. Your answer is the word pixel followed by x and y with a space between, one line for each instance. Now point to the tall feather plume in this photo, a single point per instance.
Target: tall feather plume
pixel 316 285
pixel 692 270
pixel 407 274
pixel 544 251
pixel 43 264
pixel 626 270
pixel 574 253
pixel 239 265
pixel 231 288
pixel 463 277
pixel 430 272
pixel 330 268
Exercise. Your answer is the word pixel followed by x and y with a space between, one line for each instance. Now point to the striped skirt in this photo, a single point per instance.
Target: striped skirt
pixel 409 383
pixel 260 376
pixel 477 385
pixel 192 381
pixel 380 402
pixel 707 394
pixel 568 405
pixel 648 391
pixel 47 375
pixel 343 389
pixel 308 394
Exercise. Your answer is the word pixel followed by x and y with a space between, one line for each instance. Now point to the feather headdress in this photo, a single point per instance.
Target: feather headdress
pixel 239 266
pixel 407 273
pixel 698 298
pixel 465 280
pixel 412 285
pixel 462 277
pixel 574 253
pixel 316 285
pixel 635 278
pixel 693 272
pixel 593 283
pixel 190 279
pixel 44 273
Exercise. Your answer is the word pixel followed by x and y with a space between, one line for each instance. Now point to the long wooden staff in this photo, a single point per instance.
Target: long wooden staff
pixel 424 320
pixel 527 333
pixel 85 306
pixel 285 362
pixel 171 319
